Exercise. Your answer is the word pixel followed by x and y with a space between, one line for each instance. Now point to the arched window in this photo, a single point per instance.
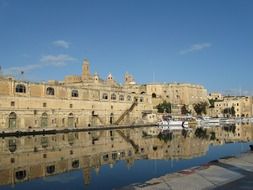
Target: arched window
pixel 44 120
pixel 105 96
pixel 142 92
pixel 71 120
pixel 121 97
pixel 50 91
pixel 153 95
pixel 20 88
pixel 113 96
pixel 74 93
pixel 12 120
pixel 129 98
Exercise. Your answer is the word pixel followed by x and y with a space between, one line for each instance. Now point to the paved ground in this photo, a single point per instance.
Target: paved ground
pixel 225 174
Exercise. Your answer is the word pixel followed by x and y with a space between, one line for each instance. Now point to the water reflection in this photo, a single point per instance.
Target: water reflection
pixel 31 157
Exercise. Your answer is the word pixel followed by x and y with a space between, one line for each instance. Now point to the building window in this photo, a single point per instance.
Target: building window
pixel 70 105
pixel 75 164
pixel 20 88
pixel 71 120
pixel 44 104
pixel 105 96
pixel 113 96
pixel 20 175
pixel 50 91
pixel 12 103
pixel 121 98
pixel 44 120
pixel 12 145
pixel 129 98
pixel 50 169
pixel 74 93
pixel 153 95
pixel 12 120
pixel 141 99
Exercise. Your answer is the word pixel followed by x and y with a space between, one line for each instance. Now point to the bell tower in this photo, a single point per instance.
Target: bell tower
pixel 86 70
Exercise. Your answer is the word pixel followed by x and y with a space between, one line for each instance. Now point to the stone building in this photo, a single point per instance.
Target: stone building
pixel 78 101
pixel 87 100
pixel 215 96
pixel 178 94
pixel 242 106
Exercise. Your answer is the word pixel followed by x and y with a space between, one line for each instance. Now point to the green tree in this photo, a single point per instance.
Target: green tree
pixel 164 107
pixel 184 110
pixel 200 107
pixel 201 133
pixel 229 111
pixel 232 111
pixel 211 102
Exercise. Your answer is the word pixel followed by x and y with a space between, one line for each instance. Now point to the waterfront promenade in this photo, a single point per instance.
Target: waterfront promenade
pixel 227 173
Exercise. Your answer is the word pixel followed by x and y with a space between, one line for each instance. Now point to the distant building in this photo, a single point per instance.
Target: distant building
pixel 215 96
pixel 178 94
pixel 242 106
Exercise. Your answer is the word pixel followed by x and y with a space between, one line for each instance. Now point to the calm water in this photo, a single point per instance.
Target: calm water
pixel 112 159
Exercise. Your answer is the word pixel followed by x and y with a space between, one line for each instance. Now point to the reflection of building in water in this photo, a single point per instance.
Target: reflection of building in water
pixel 33 157
pixel 233 132
pixel 179 147
pixel 27 158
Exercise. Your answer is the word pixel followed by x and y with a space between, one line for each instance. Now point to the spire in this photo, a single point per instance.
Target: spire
pixel 86 70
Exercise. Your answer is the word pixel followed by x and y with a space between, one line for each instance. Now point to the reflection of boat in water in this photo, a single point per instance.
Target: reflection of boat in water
pixel 151 131
pixel 208 121
pixel 227 120
pixel 211 120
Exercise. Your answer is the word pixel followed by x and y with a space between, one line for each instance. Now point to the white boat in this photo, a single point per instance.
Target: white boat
pixel 172 124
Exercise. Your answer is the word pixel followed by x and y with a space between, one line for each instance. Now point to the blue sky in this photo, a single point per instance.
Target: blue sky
pixel 208 42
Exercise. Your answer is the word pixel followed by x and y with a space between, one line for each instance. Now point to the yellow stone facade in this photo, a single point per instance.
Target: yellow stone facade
pixel 242 106
pixel 178 94
pixel 86 100
pixel 79 101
